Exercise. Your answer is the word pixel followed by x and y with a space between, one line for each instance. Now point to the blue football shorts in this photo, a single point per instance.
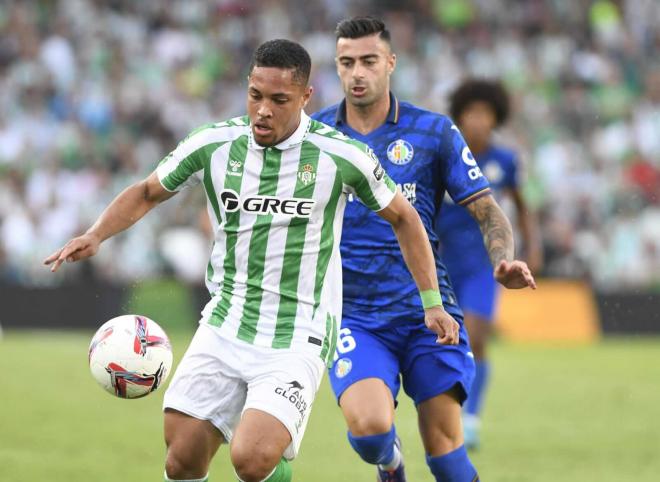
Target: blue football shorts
pixel 405 353
pixel 477 293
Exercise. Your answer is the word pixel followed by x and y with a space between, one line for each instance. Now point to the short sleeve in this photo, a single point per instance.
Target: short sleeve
pixel 183 167
pixel 461 175
pixel 364 176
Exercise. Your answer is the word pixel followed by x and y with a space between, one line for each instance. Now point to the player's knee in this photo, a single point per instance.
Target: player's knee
pixel 254 464
pixel 181 465
pixel 370 426
pixel 363 423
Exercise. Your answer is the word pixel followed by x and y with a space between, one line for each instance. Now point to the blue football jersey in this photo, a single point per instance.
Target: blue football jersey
pixel 462 246
pixel 426 155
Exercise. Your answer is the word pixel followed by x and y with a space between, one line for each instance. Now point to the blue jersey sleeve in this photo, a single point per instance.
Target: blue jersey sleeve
pixel 463 178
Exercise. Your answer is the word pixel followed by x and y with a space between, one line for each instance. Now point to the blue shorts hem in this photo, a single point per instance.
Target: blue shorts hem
pixel 423 397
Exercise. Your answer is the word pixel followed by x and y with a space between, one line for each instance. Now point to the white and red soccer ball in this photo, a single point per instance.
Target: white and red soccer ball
pixel 130 356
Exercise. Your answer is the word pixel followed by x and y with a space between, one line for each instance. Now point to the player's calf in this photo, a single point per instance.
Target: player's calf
pixel 440 427
pixel 453 467
pixel 191 444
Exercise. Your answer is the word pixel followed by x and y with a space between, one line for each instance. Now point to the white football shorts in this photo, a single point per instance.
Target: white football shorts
pixel 219 378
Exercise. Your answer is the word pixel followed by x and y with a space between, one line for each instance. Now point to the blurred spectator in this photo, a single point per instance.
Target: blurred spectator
pixel 93 94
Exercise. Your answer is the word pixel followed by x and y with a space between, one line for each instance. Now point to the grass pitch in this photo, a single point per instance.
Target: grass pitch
pixel 553 414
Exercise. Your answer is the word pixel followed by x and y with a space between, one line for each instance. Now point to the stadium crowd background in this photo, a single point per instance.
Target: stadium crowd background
pixel 94 93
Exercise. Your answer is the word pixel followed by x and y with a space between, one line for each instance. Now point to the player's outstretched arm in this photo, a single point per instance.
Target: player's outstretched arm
pixel 417 253
pixel 498 238
pixel 125 210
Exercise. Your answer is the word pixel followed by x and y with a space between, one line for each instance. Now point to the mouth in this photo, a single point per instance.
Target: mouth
pixel 358 90
pixel 262 129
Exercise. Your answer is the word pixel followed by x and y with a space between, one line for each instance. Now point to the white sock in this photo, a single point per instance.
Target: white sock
pixel 394 463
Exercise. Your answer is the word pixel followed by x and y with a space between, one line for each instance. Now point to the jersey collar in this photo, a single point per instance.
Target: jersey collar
pixel 392 115
pixel 298 136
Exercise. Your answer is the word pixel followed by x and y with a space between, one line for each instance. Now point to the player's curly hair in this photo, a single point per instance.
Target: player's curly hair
pixel 283 54
pixel 474 90
pixel 358 27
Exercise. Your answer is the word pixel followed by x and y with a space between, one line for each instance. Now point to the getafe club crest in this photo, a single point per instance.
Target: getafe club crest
pixel 400 152
pixel 307 174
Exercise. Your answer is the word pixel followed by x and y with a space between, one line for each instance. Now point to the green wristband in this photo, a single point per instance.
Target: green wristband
pixel 430 298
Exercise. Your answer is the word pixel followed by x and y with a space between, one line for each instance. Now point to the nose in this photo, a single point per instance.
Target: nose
pixel 358 72
pixel 264 111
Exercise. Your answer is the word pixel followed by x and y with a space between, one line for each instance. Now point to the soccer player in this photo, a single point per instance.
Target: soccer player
pixel 383 338
pixel 478 107
pixel 276 183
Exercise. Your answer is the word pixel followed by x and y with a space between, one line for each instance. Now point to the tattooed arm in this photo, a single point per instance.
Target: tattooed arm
pixel 498 239
pixel 495 228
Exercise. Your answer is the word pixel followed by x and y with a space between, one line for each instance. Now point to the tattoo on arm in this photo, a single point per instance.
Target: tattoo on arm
pixel 495 228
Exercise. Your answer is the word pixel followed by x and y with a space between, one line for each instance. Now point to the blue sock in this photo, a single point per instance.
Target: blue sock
pixel 374 449
pixel 453 467
pixel 476 395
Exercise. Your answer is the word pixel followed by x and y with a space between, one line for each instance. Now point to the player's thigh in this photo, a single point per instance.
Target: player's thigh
pixel 204 386
pixel 282 384
pixel 368 407
pixel 440 425
pixel 363 355
pixel 191 444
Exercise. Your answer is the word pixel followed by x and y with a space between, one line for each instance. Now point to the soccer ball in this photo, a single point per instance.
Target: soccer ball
pixel 130 356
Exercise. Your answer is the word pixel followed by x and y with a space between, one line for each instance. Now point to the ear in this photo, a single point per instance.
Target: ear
pixel 391 63
pixel 309 90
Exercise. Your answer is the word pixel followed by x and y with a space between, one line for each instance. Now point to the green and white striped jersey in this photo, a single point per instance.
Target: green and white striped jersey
pixel 275 271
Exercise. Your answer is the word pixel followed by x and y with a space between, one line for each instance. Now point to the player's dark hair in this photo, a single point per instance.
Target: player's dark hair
pixel 358 27
pixel 480 90
pixel 283 54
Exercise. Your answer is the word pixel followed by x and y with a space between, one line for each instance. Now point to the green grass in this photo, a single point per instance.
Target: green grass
pixel 554 414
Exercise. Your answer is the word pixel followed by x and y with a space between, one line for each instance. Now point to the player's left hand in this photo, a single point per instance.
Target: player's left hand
pixel 442 324
pixel 514 275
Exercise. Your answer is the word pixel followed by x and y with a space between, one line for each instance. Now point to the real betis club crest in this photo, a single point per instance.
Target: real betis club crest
pixel 307 174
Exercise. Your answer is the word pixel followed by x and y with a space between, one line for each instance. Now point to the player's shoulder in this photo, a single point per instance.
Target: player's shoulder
pixel 223 131
pixel 504 154
pixel 423 118
pixel 327 115
pixel 327 137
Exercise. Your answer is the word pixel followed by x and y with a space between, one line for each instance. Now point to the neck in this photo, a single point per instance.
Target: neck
pixel 289 133
pixel 478 146
pixel 365 119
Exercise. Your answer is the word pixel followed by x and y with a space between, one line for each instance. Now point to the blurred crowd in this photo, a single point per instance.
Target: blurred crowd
pixel 94 93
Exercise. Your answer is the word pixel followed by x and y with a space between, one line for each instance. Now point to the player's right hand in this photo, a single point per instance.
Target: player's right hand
pixel 78 248
pixel 442 324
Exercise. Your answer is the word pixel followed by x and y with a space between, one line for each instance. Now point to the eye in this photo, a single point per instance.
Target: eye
pixel 255 95
pixel 346 63
pixel 281 101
